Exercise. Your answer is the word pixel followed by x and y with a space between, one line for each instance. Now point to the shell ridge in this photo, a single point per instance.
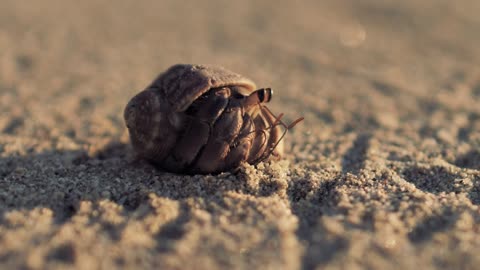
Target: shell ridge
pixel 182 84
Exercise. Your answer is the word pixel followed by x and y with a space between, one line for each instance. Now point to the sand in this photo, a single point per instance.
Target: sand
pixel 384 173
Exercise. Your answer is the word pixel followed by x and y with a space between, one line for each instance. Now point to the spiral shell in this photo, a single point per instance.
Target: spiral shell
pixel 203 119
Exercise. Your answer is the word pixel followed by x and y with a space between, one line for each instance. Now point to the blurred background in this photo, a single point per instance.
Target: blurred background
pixel 384 172
pixel 67 68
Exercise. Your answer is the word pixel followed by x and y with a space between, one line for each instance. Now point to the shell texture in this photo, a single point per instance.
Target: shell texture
pixel 203 119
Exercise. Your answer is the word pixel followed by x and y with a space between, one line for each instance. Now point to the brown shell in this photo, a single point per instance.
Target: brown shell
pixel 202 119
pixel 182 84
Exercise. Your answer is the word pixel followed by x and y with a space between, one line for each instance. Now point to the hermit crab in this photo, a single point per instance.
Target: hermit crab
pixel 204 119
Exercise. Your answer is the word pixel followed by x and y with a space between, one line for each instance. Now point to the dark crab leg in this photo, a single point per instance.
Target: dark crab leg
pixel 261 132
pixel 204 112
pixel 240 149
pixel 224 132
pixel 261 138
pixel 268 131
pixel 276 131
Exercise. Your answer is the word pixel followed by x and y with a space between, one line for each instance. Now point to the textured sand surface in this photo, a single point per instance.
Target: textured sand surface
pixel 384 173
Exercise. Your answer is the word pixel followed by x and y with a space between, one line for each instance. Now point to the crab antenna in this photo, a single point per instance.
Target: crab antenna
pixel 294 123
pixel 278 119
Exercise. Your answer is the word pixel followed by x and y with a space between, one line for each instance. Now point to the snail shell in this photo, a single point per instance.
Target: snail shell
pixel 203 119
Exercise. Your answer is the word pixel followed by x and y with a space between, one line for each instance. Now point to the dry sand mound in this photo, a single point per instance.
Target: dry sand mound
pixel 384 173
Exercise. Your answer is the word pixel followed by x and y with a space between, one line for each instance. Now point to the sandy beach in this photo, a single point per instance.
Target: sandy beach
pixel 383 173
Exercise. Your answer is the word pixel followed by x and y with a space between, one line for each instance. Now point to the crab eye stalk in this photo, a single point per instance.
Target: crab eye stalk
pixel 267 95
pixel 262 95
